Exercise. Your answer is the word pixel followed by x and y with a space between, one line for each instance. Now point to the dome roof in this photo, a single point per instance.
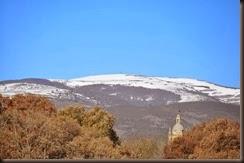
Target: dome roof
pixel 177 128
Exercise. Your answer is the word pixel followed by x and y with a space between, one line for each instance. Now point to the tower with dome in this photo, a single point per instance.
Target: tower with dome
pixel 177 129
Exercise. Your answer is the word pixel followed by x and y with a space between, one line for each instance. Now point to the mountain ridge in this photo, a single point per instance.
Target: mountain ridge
pixel 142 105
pixel 170 77
pixel 188 89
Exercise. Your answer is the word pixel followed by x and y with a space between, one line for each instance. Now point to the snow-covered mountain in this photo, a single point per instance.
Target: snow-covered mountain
pixel 188 90
pixel 142 105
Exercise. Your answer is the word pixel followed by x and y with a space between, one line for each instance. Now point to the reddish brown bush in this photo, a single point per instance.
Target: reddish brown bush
pixel 28 132
pixel 4 103
pixel 19 131
pixel 27 101
pixel 90 145
pixel 216 139
pixel 94 118
pixel 138 148
pixel 75 112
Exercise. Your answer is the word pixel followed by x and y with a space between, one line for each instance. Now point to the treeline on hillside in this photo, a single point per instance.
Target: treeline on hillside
pixel 31 127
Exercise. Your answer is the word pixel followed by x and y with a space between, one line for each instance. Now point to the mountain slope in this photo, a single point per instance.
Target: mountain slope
pixel 187 90
pixel 141 105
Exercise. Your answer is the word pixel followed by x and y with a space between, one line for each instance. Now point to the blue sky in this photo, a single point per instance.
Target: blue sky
pixel 73 38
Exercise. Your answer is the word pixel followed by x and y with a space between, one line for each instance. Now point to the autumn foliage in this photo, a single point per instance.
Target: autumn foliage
pixel 216 139
pixel 27 102
pixel 31 127
pixel 94 119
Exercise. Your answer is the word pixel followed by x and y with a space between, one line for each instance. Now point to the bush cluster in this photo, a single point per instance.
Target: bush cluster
pixel 32 128
pixel 216 139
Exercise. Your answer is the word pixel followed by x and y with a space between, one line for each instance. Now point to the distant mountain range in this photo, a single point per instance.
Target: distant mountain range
pixel 142 105
pixel 121 88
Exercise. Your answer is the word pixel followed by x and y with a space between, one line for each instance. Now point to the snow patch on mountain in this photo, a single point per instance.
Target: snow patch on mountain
pixel 189 90
pixel 150 98
pixel 113 94
pixel 21 88
pixel 186 88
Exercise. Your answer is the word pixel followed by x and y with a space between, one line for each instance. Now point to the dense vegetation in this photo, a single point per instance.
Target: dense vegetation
pixel 32 128
pixel 215 139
